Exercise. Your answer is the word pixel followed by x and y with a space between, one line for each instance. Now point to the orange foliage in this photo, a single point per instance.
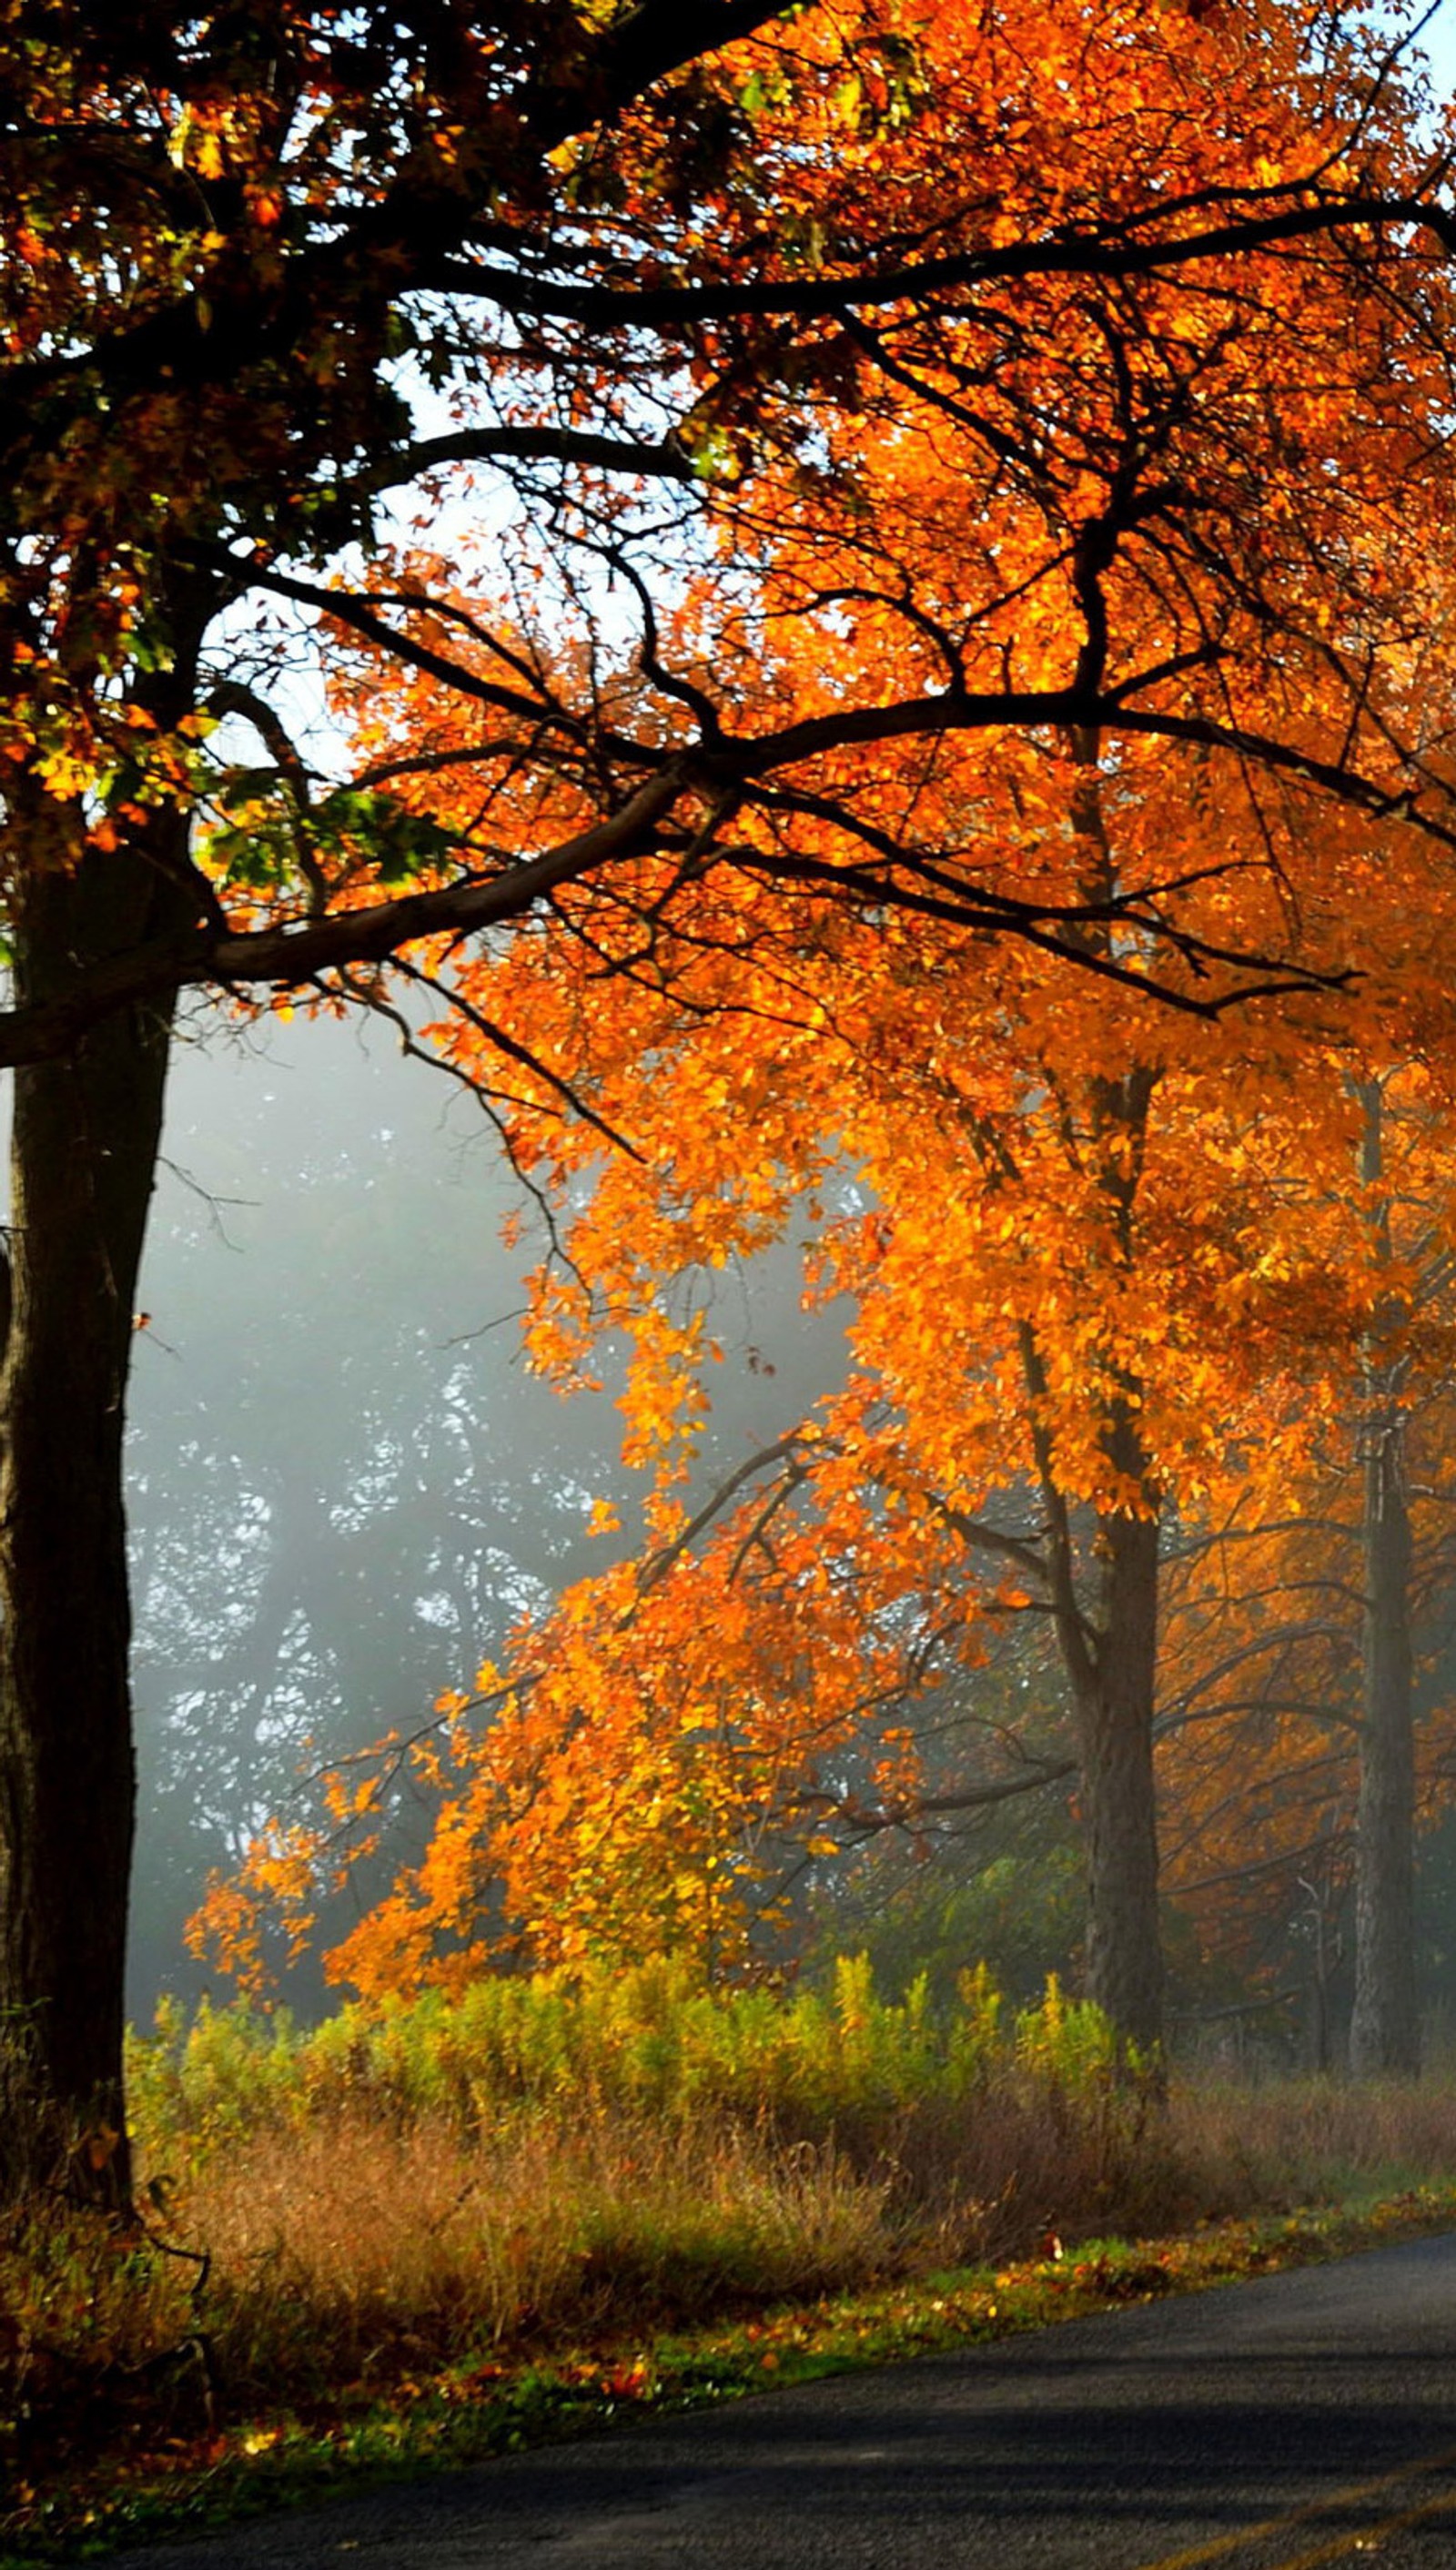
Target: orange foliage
pixel 1049 671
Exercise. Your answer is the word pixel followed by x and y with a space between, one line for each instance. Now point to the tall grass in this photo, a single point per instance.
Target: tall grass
pixel 1285 2141
pixel 544 2158
pixel 647 2042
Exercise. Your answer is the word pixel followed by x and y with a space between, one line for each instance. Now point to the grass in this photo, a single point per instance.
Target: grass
pixel 448 2230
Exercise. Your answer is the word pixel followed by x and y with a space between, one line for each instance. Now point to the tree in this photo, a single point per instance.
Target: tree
pixel 1306 1615
pixel 1385 2027
pixel 663 259
pixel 1094 1291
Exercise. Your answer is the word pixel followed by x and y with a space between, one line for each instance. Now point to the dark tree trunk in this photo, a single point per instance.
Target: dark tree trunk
pixel 1124 1948
pixel 84 1152
pixel 1326 1950
pixel 1111 1659
pixel 1384 2025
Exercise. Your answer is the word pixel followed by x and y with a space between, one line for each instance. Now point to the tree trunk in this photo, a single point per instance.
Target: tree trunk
pixel 1111 1660
pixel 84 1151
pixel 1384 2027
pixel 1124 1946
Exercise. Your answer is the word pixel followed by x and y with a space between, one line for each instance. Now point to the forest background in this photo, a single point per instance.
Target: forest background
pixel 339 1501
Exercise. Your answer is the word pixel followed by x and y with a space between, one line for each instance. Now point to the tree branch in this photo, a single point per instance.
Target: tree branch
pixel 299 951
pixel 663 462
pixel 971 1798
pixel 1092 255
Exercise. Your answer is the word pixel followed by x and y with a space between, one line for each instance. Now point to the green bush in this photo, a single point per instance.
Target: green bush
pixel 647 2042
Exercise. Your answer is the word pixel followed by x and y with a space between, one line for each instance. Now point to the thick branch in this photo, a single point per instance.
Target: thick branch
pixel 1024 1550
pixel 662 36
pixel 299 950
pixel 658 462
pixel 971 1798
pixel 737 759
pixel 294 951
pixel 783 1451
pixel 1066 255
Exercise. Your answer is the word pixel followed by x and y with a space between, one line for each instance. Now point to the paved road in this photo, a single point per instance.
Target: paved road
pixel 1281 2425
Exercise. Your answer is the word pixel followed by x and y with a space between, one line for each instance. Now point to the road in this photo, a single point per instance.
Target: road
pixel 1296 2421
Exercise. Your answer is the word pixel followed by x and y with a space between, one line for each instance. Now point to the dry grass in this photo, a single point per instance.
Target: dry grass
pixel 344 2250
pixel 358 2248
pixel 1281 2142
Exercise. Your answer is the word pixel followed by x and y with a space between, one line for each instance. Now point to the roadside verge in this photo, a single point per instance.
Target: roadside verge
pixel 478 2410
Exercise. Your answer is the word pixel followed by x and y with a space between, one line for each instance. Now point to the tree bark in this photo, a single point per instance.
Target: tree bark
pixel 1111 1659
pixel 1124 1940
pixel 1385 2024
pixel 83 1153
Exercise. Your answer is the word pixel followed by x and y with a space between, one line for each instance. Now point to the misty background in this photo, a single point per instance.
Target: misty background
pixel 344 1484
pixel 345 1487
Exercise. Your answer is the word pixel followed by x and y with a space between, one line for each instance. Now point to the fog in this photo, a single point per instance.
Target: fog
pixel 343 1484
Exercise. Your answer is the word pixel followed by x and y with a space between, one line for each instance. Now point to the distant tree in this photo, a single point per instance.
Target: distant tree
pixel 1301 1622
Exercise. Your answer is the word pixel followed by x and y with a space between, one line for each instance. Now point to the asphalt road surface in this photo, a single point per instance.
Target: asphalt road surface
pixel 1299 2419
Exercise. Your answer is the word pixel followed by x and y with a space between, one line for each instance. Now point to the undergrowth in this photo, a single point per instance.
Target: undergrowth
pixel 549 2174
